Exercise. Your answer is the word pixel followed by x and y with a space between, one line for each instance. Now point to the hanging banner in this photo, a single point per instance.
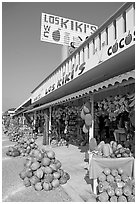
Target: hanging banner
pixel 64 31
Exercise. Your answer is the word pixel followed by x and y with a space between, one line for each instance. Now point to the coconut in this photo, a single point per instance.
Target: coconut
pixel 38 186
pixel 51 154
pixel 86 107
pixel 85 128
pixel 55 183
pixel 82 114
pixel 88 119
pixel 45 161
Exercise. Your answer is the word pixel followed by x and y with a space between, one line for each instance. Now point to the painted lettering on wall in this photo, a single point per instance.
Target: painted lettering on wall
pixel 121 43
pixel 67 77
pixel 37 97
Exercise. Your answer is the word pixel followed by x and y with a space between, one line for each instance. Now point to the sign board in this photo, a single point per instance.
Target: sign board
pixel 64 31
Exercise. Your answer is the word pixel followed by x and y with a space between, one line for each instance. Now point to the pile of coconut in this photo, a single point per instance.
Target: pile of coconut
pixel 43 171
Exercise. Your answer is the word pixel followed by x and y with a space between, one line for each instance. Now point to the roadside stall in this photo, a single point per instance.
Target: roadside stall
pixel 67 124
pixel 116 131
pixel 90 98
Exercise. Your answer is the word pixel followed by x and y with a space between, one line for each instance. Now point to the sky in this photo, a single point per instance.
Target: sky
pixel 26 61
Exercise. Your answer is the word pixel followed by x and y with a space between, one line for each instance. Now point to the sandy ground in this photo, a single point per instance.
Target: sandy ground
pixel 13 189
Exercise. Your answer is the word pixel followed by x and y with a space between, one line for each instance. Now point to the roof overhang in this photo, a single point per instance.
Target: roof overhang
pixel 116 65
pixel 120 80
pixel 23 105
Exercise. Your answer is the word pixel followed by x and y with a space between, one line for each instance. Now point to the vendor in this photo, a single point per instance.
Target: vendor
pixel 120 133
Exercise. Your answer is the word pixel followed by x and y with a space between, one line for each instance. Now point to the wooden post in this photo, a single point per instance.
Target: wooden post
pixel 91 129
pixel 91 135
pixel 50 109
pixel 46 128
pixel 34 118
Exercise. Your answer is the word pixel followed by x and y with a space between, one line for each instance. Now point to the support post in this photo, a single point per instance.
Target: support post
pixel 34 121
pixel 91 135
pixel 91 129
pixel 50 109
pixel 46 128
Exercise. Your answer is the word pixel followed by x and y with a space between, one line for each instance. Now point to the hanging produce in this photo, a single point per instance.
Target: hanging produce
pixel 132 106
pixel 66 122
pixel 113 106
pixel 132 117
pixel 86 116
pixel 85 128
pixel 82 114
pixel 69 125
pixel 43 171
pixel 88 119
pixel 86 107
pixel 110 189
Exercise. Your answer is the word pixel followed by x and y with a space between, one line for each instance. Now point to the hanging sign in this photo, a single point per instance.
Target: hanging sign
pixel 64 31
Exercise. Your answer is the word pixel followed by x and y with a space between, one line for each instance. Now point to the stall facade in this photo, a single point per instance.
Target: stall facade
pixel 105 61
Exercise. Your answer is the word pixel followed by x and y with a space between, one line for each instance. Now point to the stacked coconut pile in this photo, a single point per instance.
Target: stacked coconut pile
pixel 23 147
pixel 114 185
pixel 43 171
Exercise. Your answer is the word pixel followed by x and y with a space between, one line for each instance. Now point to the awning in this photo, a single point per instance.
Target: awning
pixel 20 112
pixel 128 77
pixel 115 66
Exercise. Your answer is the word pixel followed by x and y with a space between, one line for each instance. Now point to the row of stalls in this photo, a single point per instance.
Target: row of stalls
pixel 113 115
pixel 97 98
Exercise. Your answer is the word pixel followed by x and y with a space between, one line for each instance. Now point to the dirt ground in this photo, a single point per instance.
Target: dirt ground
pixel 13 189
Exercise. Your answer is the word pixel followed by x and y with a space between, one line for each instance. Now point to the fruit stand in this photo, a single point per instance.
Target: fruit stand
pixel 111 169
pixel 97 164
pixel 112 142
pixel 115 185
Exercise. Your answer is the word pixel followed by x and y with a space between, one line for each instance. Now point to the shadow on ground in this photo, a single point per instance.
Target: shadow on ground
pixel 92 197
pixel 87 179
